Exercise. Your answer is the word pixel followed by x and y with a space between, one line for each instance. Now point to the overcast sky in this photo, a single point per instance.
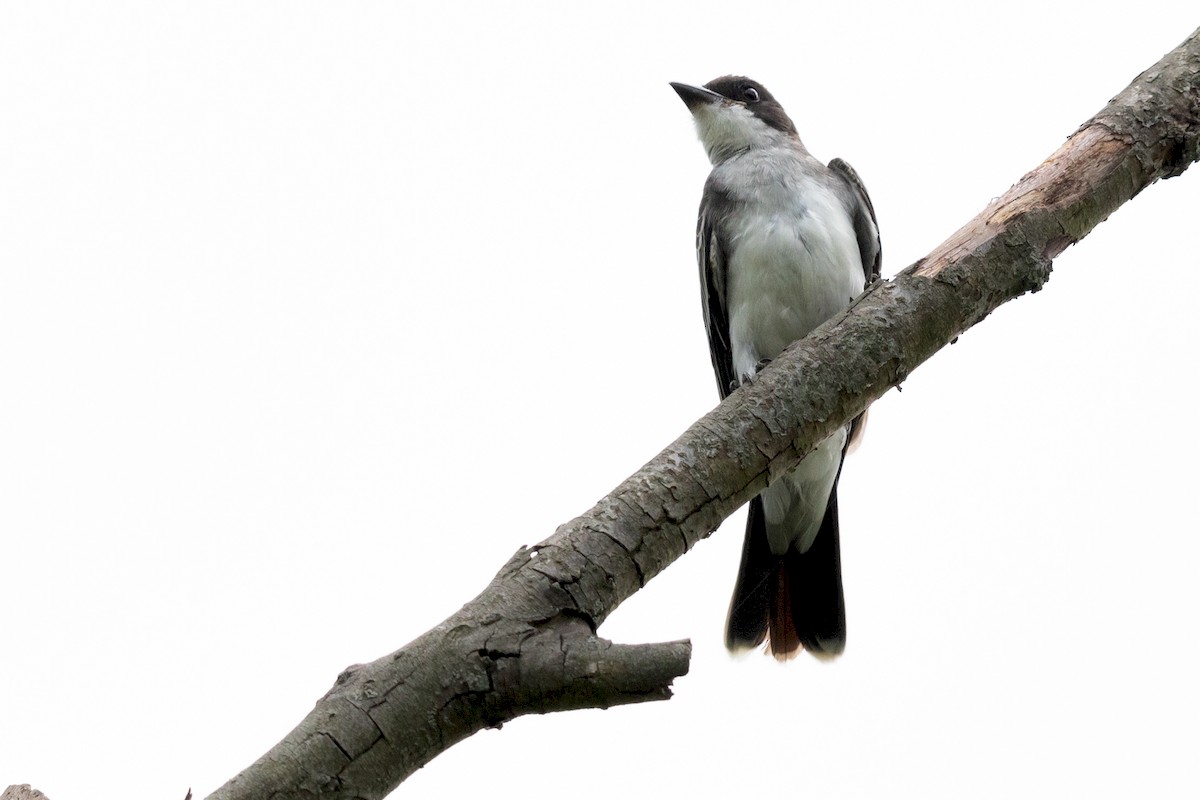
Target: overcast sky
pixel 312 313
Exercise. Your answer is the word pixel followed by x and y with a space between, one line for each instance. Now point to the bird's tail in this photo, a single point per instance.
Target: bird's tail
pixel 791 601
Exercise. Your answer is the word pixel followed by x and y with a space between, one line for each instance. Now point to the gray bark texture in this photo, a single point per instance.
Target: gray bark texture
pixel 22 791
pixel 528 643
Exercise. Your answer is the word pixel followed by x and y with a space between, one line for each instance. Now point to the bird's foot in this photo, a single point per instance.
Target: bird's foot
pixel 749 379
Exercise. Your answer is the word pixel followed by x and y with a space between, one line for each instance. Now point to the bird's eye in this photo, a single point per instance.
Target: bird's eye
pixel 751 94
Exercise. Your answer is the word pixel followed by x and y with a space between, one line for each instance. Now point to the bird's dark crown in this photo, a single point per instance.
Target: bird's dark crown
pixel 756 98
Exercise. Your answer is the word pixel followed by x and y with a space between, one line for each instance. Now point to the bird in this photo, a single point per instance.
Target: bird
pixel 784 242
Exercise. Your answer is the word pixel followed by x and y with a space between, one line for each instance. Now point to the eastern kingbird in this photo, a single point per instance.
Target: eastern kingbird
pixel 784 243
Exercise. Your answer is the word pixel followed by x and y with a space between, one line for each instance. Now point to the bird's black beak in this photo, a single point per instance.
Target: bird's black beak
pixel 695 96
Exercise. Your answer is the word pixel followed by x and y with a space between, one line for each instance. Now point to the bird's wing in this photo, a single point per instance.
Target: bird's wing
pixel 866 229
pixel 712 256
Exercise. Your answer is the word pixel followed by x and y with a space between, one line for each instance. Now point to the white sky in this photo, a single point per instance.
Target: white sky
pixel 312 313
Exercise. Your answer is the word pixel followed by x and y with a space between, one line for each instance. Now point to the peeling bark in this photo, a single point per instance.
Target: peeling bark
pixel 527 644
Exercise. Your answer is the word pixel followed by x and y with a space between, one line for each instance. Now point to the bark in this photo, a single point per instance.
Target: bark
pixel 528 643
pixel 22 791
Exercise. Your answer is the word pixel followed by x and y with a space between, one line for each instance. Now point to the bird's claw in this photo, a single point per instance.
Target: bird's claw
pixel 749 379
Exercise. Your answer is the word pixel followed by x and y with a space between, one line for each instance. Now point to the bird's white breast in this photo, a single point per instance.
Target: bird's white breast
pixel 794 260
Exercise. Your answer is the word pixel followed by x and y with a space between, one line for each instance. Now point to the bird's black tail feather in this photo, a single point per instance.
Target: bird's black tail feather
pixel 791 601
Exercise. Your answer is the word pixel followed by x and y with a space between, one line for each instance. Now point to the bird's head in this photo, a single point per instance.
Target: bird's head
pixel 734 114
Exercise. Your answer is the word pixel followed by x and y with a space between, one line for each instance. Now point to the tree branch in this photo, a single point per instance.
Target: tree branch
pixel 527 644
